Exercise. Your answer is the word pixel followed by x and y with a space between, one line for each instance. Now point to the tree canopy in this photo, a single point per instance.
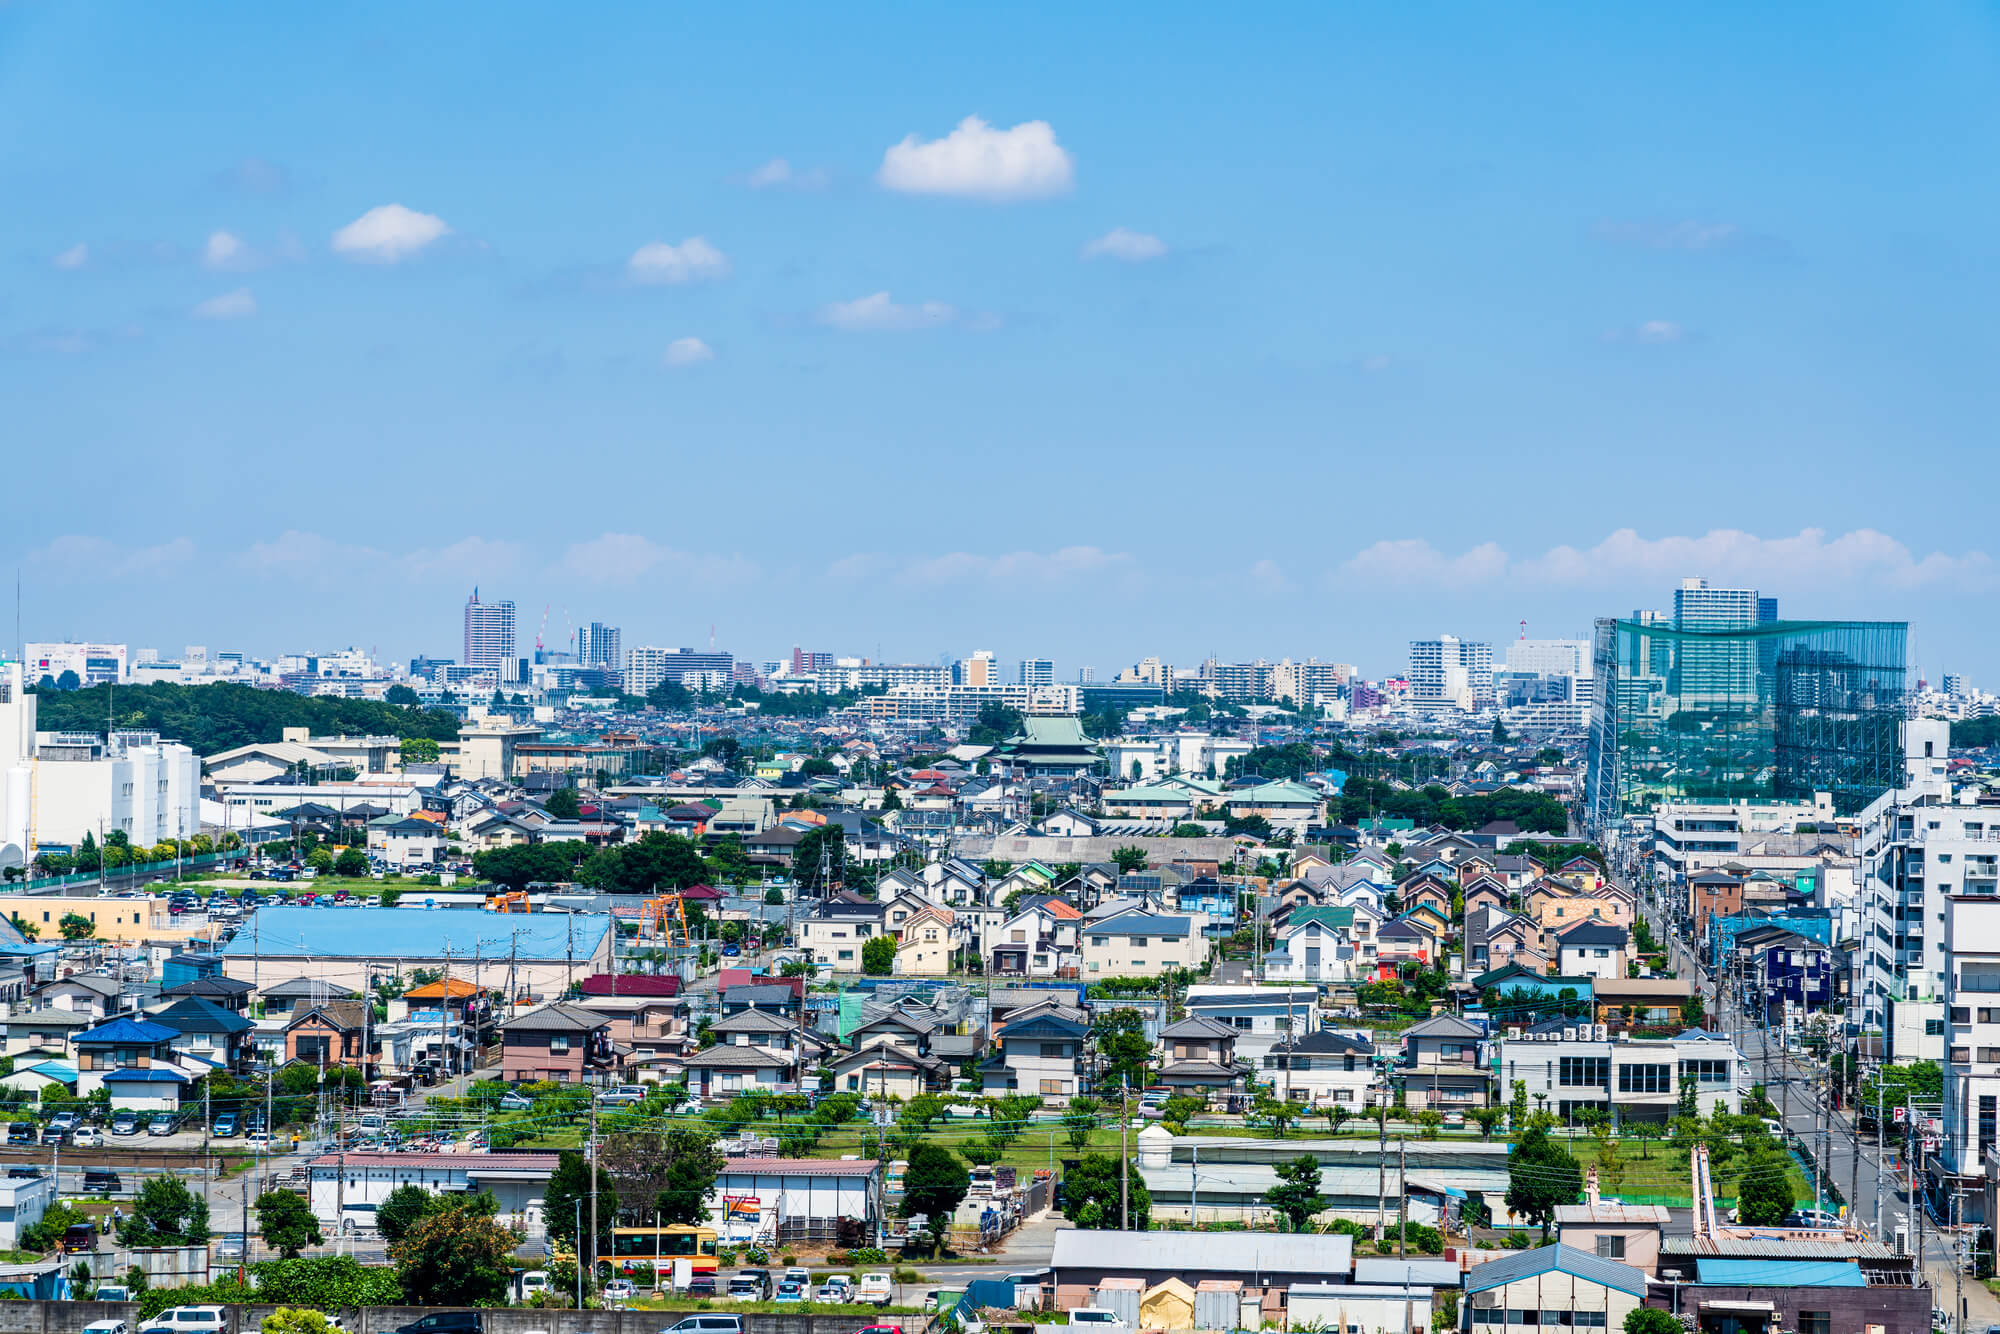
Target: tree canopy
pixel 287 1223
pixel 457 1254
pixel 1296 1197
pixel 222 716
pixel 1090 1195
pixel 933 1184
pixel 1541 1175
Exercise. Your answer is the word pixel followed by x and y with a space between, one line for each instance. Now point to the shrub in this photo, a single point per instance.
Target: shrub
pixel 867 1255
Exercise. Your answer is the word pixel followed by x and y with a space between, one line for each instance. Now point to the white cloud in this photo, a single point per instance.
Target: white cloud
pixel 388 233
pixel 1268 577
pixel 1126 244
pixel 1659 331
pixel 1375 363
pixel 879 312
pixel 316 560
pixel 693 260
pixel 236 305
pixel 1012 568
pixel 1684 235
pixel 225 251
pixel 82 558
pixel 1810 558
pixel 688 352
pixel 778 174
pixel 976 161
pixel 617 558
pixel 75 257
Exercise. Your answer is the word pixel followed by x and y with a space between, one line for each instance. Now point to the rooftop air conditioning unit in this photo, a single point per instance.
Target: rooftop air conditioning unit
pixel 1603 1032
pixel 1569 1033
pixel 1514 1032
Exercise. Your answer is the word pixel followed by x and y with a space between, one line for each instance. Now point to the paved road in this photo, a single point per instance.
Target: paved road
pixel 1870 1180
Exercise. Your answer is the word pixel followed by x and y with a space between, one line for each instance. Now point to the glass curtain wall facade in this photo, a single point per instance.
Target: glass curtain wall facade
pixel 1772 711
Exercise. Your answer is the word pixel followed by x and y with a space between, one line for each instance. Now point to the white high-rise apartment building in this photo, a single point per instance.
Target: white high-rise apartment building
pixel 978 670
pixel 1920 845
pixel 1972 1033
pixel 597 645
pixel 1451 671
pixel 646 667
pixel 489 636
pixel 1038 672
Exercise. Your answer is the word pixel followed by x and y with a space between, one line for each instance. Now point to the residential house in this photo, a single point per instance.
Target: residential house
pixel 1286 805
pixel 1402 941
pixel 649 1022
pixel 755 1049
pixel 1526 1287
pixel 929 945
pixel 1040 940
pixel 1593 949
pixel 1787 970
pixel 1427 891
pixel 1261 1016
pixel 1326 1068
pixel 885 1068
pixel 331 1032
pixel 133 1061
pixel 1316 945
pixel 43 1034
pixel 1495 938
pixel 835 932
pixel 406 840
pixel 1486 891
pixel 564 1042
pixel 1609 1230
pixel 1139 944
pixel 231 993
pixel 1198 1056
pixel 87 994
pixel 295 995
pixel 210 1034
pixel 1442 1066
pixel 1038 1050
pixel 780 996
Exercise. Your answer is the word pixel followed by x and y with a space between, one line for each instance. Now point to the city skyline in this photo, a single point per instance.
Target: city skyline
pixel 874 332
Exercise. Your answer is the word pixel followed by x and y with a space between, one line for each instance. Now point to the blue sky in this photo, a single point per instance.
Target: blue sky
pixel 1297 334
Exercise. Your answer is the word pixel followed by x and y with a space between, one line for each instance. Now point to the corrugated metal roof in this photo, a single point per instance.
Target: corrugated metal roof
pixel 1409 1273
pixel 800 1167
pixel 1237 1252
pixel 415 933
pixel 1568 1259
pixel 1775 1248
pixel 1780 1273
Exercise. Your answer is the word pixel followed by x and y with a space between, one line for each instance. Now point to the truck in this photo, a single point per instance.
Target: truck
pixel 876 1288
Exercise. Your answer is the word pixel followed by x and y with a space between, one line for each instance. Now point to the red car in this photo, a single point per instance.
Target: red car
pixel 880 1329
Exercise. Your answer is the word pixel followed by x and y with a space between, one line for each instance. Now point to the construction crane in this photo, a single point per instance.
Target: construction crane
pixel 512 901
pixel 541 630
pixel 659 915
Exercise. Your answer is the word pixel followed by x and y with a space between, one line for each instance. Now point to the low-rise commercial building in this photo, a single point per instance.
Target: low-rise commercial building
pixel 1571 1067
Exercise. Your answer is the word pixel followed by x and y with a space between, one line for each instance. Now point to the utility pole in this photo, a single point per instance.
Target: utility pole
pixel 591 1159
pixel 1403 1205
pixel 1881 1233
pixel 1381 1173
pixel 1124 1162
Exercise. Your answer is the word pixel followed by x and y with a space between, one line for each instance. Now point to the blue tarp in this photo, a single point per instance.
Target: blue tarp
pixel 1779 1273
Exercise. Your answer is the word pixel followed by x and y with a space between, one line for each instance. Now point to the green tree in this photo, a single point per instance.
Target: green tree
pixel 46 1234
pixel 1500 737
pixel 569 1186
pixel 692 1164
pixel 996 723
pixel 1277 1113
pixel 563 804
pixel 878 956
pixel 296 1320
pixel 651 863
pixel 819 859
pixel 1764 1189
pixel 1487 1119
pixel 1650 1320
pixel 933 1184
pixel 351 862
pixel 457 1254
pixel 400 1210
pixel 1429 1121
pixel 1296 1196
pixel 166 1213
pixel 287 1223
pixel 1080 1120
pixel 1541 1175
pixel 75 926
pixel 527 864
pixel 418 749
pixel 1122 1047
pixel 1090 1195
pixel 320 860
pixel 1129 859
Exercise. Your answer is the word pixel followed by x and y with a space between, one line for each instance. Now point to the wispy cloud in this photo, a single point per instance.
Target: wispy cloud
pixel 880 312
pixel 778 174
pixel 1809 558
pixel 255 176
pixel 73 258
pixel 236 305
pixel 977 161
pixel 81 558
pixel 1125 244
pixel 688 352
pixel 388 234
pixel 693 260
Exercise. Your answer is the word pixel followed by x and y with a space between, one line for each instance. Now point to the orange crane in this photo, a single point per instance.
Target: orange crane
pixel 659 915
pixel 512 901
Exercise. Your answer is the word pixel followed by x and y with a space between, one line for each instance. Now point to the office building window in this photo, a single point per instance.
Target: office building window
pixel 1585 1071
pixel 1645 1079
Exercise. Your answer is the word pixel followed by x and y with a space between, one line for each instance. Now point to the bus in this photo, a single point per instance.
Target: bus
pixel 640 1250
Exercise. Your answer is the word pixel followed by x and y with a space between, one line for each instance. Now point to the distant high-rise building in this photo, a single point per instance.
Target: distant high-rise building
pixel 1038 672
pixel 599 645
pixel 1086 675
pixel 94 664
pixel 1723 669
pixel 1957 686
pixel 489 636
pixel 1449 670
pixel 805 663
pixel 646 667
pixel 976 670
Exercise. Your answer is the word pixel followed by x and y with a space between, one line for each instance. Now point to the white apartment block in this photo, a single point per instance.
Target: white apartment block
pixel 1158 757
pixel 1450 672
pixel 961 703
pixel 1972 1033
pixel 1690 837
pixel 1919 846
pixel 647 666
pixel 1580 1066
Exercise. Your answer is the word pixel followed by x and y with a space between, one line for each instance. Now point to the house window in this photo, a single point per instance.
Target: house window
pixel 1815 1322
pixel 1611 1248
pixel 1055 1049
pixel 559 1042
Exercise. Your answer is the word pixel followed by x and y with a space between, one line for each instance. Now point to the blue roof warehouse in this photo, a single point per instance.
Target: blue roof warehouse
pixel 538 953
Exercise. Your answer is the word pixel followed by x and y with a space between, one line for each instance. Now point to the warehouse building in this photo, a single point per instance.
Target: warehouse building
pixel 533 954
pixel 1267 1266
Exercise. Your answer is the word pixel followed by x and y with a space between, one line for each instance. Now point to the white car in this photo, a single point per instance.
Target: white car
pixel 189 1320
pixel 89 1137
pixel 876 1288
